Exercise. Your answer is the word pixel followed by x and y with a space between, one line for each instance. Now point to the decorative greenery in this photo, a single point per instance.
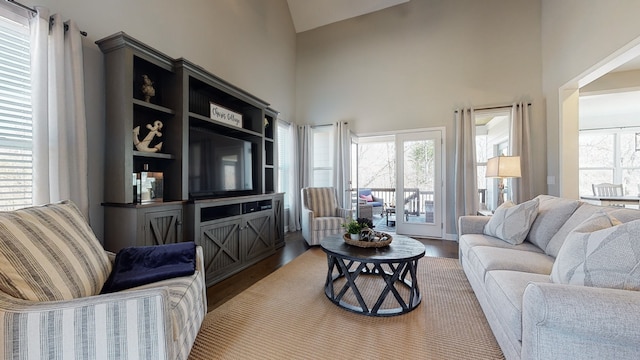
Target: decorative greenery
pixel 354 226
pixel 366 223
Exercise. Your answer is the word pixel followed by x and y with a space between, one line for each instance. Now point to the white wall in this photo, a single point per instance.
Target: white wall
pixel 249 43
pixel 577 37
pixel 412 65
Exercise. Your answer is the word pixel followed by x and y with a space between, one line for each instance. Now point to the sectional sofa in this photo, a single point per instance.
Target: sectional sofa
pixel 557 278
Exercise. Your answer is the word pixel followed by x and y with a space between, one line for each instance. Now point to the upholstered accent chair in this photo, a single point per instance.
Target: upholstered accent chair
pixel 321 216
pixel 52 271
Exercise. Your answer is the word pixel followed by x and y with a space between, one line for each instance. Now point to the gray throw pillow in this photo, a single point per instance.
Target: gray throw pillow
pixel 600 252
pixel 511 222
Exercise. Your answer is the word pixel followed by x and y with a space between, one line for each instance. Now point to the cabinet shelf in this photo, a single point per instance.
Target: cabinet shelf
pixel 235 131
pixel 143 154
pixel 153 107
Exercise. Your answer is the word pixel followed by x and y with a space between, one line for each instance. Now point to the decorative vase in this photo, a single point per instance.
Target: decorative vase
pixel 355 236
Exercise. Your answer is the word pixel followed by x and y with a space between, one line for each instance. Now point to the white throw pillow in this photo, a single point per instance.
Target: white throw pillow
pixel 511 222
pixel 600 252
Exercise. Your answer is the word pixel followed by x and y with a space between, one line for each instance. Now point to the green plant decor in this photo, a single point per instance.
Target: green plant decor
pixel 352 227
pixel 355 226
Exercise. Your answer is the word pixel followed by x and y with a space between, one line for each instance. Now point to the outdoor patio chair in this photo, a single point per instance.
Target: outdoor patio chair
pixel 374 201
pixel 607 189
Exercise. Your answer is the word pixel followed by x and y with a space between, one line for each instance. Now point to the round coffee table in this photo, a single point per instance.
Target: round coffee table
pixel 390 265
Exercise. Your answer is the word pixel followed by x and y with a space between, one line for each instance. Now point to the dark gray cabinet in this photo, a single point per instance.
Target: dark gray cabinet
pixel 142 225
pixel 234 232
pixel 278 217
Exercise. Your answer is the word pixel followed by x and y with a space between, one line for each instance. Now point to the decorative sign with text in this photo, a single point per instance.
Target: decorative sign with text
pixel 226 116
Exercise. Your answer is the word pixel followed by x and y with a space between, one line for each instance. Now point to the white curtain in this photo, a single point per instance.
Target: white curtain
pixel 520 144
pixel 304 160
pixel 293 190
pixel 466 184
pixel 59 123
pixel 341 160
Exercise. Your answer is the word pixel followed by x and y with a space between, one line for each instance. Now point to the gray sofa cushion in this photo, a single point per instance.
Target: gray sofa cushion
pixel 467 241
pixel 581 214
pixel 511 222
pixel 552 214
pixel 600 252
pixel 487 258
pixel 505 289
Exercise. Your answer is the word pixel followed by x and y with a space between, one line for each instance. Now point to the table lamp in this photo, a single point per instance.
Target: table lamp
pixel 503 167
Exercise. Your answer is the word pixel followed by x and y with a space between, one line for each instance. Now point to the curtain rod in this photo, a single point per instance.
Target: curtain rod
pixel 495 107
pixel 33 11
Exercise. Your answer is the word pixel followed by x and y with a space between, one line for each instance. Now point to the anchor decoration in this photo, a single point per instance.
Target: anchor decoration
pixel 144 144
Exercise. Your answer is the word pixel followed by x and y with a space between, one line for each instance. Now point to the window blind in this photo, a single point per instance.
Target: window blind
pixel 16 159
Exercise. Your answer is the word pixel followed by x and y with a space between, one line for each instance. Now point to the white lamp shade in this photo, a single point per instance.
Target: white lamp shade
pixel 504 167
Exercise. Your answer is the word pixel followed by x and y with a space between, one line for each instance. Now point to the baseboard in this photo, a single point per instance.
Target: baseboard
pixel 451 237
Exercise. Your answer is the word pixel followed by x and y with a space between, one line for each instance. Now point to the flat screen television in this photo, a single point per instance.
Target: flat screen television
pixel 219 165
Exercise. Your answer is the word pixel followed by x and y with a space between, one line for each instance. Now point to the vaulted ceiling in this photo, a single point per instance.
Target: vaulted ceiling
pixel 311 14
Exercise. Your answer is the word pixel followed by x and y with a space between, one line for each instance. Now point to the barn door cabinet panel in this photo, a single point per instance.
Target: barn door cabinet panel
pixel 258 235
pixel 235 233
pixel 162 225
pixel 140 225
pixel 220 241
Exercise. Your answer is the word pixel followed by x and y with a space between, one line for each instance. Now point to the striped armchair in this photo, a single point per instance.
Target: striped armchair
pixel 52 269
pixel 321 215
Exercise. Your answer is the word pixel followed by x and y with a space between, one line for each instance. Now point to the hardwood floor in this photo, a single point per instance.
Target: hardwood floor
pixel 219 293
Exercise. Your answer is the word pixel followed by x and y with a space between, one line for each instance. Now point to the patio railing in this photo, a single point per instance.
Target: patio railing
pixel 415 202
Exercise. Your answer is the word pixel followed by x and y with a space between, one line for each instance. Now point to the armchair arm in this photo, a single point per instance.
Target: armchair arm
pixel 562 321
pixel 378 199
pixel 83 327
pixel 472 224
pixel 344 213
pixel 306 218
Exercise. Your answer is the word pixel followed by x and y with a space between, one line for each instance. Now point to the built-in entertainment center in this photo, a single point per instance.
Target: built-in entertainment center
pixel 189 156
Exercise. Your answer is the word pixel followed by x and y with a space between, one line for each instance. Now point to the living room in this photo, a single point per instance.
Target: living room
pixel 417 52
pixel 406 67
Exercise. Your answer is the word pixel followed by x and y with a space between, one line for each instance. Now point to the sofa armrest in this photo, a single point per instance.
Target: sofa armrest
pixel 472 224
pixel 97 322
pixel 562 321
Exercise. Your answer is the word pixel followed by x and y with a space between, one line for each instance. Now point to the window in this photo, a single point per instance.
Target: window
pixel 285 149
pixel 321 156
pixel 609 156
pixel 492 139
pixel 15 116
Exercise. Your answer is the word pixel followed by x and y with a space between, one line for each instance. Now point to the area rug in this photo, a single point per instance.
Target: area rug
pixel 287 316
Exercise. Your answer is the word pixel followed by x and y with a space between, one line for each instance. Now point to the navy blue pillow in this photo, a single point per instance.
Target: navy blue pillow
pixel 139 265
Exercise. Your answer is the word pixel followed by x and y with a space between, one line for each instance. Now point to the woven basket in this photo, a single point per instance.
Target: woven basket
pixel 367 244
